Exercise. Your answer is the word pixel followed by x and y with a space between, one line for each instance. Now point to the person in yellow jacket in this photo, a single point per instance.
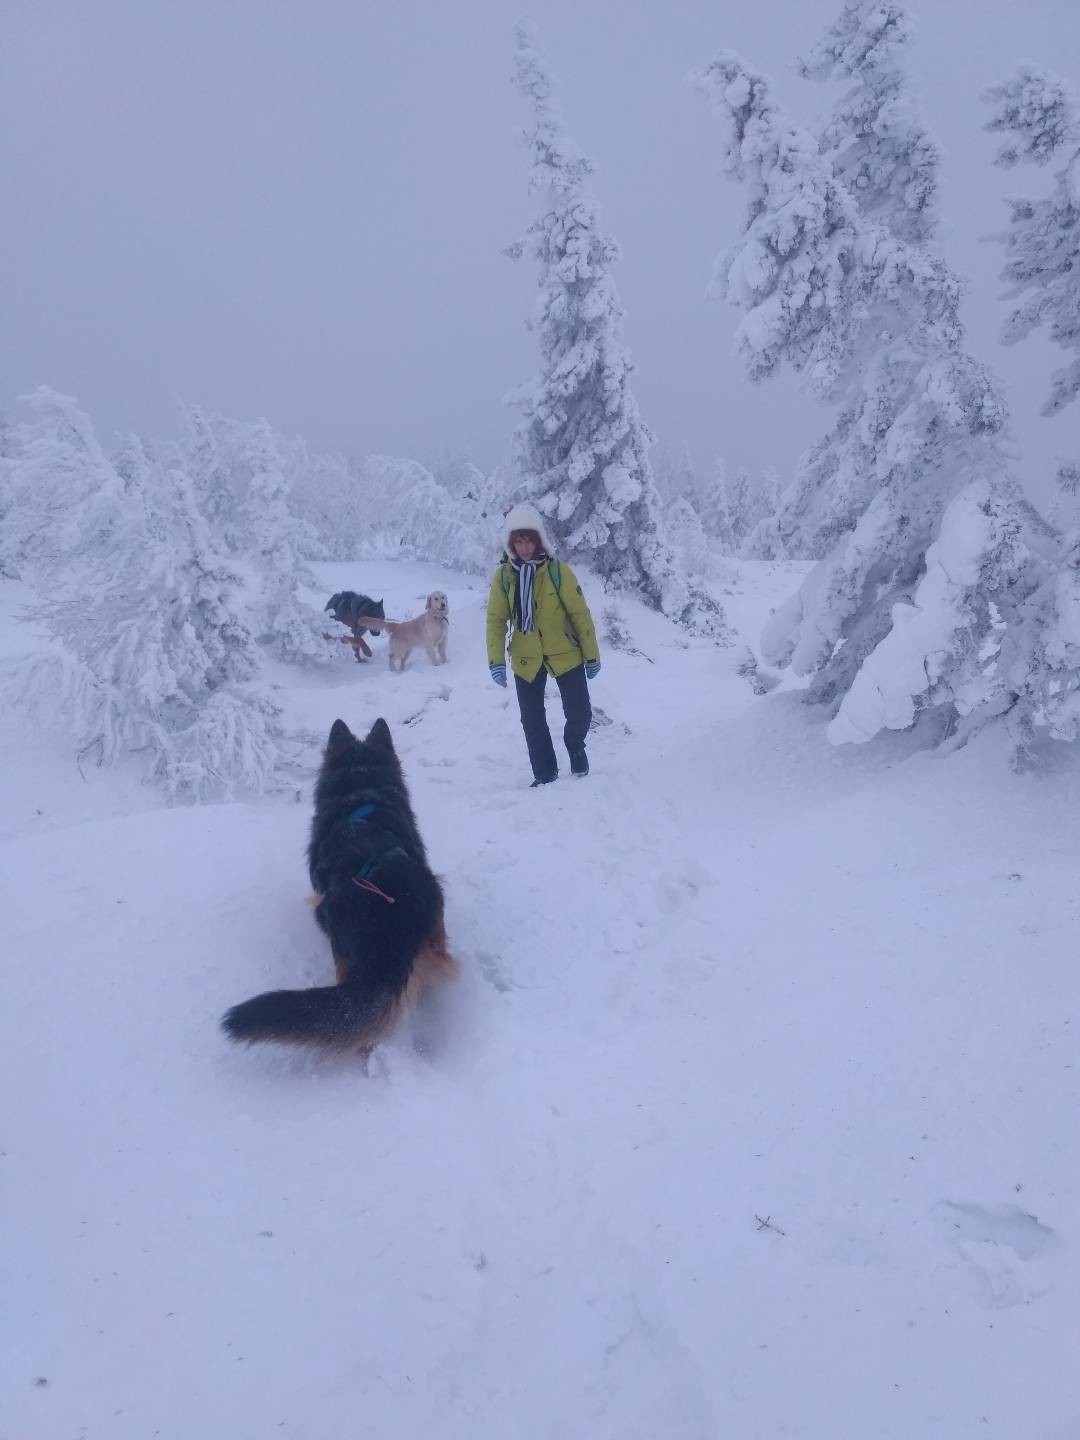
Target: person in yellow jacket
pixel 551 631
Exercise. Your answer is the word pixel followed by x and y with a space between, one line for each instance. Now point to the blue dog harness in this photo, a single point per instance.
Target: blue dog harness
pixel 362 879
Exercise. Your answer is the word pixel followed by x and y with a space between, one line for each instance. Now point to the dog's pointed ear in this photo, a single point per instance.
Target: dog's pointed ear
pixel 379 734
pixel 340 736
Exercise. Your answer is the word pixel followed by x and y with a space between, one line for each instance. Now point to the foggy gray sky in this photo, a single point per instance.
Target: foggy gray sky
pixel 296 208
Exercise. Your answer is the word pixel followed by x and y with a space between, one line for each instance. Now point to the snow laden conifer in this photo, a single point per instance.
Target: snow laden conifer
pixel 687 535
pixel 204 452
pixel 763 540
pixel 277 542
pixel 155 655
pixel 880 152
pixel 675 474
pixel 64 495
pixel 870 321
pixel 679 490
pixel 419 517
pixel 875 138
pixel 715 509
pixel 1045 672
pixel 327 498
pixel 1038 116
pixel 741 506
pixel 582 450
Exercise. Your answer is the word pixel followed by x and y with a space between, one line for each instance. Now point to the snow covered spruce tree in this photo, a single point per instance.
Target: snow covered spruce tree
pixel 1042 244
pixel 146 611
pixel 204 452
pixel 679 492
pixel 1037 115
pixel 764 541
pixel 875 139
pixel 870 321
pixel 277 542
pixel 715 509
pixel 882 156
pixel 63 493
pixel 582 450
pixel 1045 670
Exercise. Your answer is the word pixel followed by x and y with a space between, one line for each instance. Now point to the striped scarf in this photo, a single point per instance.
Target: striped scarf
pixel 526 573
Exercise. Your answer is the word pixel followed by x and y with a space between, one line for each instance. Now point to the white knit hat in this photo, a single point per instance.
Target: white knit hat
pixel 524 517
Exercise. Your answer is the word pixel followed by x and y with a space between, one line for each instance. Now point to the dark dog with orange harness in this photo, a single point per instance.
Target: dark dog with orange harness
pixel 348 607
pixel 376 900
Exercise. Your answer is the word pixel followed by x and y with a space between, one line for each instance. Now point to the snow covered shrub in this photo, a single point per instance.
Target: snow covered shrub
pixel 326 496
pixel 273 542
pixel 147 611
pixel 687 536
pixel 411 511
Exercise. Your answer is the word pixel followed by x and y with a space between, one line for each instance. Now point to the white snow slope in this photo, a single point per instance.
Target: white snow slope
pixel 753 1115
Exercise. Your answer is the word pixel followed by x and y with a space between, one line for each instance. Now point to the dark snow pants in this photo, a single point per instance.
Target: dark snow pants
pixel 574 689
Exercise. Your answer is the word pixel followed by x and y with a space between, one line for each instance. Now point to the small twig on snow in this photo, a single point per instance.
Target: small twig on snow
pixel 766 1224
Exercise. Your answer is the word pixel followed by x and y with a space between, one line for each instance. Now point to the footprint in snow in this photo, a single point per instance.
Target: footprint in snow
pixel 490 967
pixel 1004 1247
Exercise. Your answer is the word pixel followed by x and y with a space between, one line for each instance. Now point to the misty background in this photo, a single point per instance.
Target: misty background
pixel 297 211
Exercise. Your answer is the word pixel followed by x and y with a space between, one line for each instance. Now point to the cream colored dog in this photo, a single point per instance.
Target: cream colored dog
pixel 431 630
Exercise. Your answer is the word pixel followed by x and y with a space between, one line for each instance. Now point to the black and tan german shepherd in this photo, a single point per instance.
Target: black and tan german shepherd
pixel 375 898
pixel 348 607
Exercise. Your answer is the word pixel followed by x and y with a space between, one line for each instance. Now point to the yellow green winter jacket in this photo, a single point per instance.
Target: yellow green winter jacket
pixel 562 635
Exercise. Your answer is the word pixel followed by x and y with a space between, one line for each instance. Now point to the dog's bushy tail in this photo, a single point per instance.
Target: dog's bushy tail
pixel 330 1017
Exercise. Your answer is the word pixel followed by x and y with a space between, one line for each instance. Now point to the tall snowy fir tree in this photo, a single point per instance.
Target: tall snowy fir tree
pixel 714 508
pixel 1038 116
pixel 582 449
pixel 741 506
pixel 871 321
pixel 763 541
pixel 1042 244
pixel 679 490
pixel 875 139
pixel 880 152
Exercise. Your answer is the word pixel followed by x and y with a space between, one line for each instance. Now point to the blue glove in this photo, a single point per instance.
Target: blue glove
pixel 498 674
pixel 592 669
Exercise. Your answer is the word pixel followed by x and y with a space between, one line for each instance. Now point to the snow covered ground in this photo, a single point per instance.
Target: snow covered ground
pixel 753 1114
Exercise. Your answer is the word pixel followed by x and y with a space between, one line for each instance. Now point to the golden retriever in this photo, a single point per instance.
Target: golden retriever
pixel 430 629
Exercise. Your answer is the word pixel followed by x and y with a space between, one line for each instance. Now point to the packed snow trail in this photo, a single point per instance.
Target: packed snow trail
pixel 744 1119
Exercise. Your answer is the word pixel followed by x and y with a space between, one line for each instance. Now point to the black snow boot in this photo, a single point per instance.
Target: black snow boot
pixel 579 762
pixel 546 781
